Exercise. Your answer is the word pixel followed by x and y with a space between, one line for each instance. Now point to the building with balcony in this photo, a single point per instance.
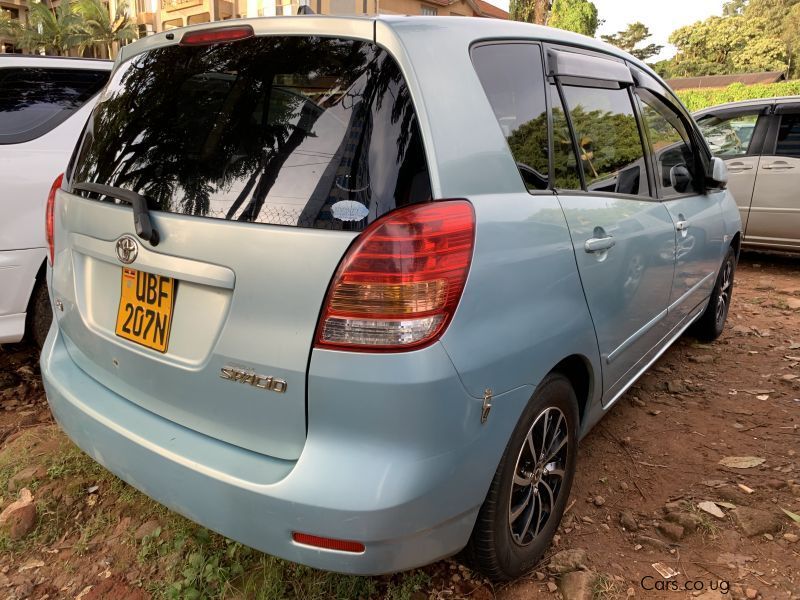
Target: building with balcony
pixel 16 9
pixel 179 13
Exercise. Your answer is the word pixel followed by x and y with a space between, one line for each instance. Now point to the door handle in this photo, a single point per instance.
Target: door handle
pixel 682 225
pixel 738 166
pixel 778 165
pixel 599 244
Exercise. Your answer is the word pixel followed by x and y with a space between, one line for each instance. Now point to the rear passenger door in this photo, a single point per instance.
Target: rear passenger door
pixel 736 136
pixel 775 211
pixel 679 165
pixel 623 237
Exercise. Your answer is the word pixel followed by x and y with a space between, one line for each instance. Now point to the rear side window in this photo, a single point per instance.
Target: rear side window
pixel 675 159
pixel 512 77
pixel 566 174
pixel 33 101
pixel 729 136
pixel 789 136
pixel 297 131
pixel 609 145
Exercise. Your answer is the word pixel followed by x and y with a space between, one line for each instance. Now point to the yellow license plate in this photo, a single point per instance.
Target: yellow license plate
pixel 145 308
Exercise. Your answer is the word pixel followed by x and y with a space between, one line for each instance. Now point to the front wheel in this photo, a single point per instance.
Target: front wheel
pixel 711 324
pixel 531 485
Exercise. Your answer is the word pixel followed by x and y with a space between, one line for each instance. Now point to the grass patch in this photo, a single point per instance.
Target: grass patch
pixel 606 588
pixel 706 527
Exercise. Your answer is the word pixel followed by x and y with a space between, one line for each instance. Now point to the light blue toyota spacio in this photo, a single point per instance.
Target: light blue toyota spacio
pixel 350 290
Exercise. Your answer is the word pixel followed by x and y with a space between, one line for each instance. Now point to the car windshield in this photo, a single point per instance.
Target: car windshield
pixel 299 131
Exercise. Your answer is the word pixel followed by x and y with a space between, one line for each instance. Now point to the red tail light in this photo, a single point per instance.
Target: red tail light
pixel 49 215
pixel 399 284
pixel 216 35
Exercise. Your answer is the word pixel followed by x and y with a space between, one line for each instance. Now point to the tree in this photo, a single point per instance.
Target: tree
pixel 8 26
pixel 98 29
pixel 529 11
pixel 630 37
pixel 733 7
pixel 579 16
pixel 49 31
pixel 733 44
pixel 791 37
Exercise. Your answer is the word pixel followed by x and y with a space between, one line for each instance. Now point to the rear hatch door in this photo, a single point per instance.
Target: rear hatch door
pixel 259 160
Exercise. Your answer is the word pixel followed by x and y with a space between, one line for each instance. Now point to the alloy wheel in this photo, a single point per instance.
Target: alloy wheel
pixel 724 296
pixel 538 476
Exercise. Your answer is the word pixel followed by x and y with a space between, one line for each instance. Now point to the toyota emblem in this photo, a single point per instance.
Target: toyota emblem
pixel 127 249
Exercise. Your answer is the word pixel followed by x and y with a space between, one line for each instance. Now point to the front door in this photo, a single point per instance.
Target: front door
pixel 775 211
pixel 624 239
pixel 696 216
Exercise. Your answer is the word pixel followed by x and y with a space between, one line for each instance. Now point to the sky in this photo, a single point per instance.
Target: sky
pixel 662 17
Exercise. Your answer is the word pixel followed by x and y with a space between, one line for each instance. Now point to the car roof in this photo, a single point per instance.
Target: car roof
pixel 456 28
pixel 54 62
pixel 747 103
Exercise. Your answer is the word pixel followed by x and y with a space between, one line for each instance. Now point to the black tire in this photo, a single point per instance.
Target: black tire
pixel 501 546
pixel 712 322
pixel 40 314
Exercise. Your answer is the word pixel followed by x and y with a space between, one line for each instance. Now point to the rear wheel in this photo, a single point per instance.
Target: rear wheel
pixel 40 314
pixel 711 324
pixel 531 486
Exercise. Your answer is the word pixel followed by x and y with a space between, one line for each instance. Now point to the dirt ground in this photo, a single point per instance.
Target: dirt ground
pixel 646 474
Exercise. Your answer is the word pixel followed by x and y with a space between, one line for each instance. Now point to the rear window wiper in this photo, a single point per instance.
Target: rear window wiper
pixel 141 217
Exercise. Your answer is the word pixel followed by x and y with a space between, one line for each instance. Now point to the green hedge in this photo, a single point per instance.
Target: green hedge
pixel 697 99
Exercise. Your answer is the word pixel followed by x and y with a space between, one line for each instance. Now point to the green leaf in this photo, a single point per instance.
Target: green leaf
pixel 794 517
pixel 195 559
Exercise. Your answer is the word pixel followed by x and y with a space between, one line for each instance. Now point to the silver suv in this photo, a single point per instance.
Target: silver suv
pixel 760 143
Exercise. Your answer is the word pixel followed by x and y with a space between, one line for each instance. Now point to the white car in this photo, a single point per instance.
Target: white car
pixel 44 104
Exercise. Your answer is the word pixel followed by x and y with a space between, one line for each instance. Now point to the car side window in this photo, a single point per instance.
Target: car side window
pixel 566 174
pixel 512 77
pixel 33 101
pixel 609 144
pixel 789 136
pixel 670 145
pixel 729 136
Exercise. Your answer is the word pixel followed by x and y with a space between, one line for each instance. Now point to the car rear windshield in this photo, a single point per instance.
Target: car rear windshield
pixel 33 101
pixel 298 131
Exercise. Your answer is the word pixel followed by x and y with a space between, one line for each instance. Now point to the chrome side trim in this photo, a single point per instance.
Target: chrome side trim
pixel 657 355
pixel 155 262
pixel 614 354
pixel 689 292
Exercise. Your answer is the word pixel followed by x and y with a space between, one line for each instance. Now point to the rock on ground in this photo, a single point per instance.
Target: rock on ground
pixel 19 517
pixel 689 521
pixel 146 529
pixel 567 560
pixel 671 531
pixel 754 521
pixel 628 521
pixel 577 585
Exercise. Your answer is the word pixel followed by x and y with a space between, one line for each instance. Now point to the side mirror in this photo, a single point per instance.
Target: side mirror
pixel 680 178
pixel 719 174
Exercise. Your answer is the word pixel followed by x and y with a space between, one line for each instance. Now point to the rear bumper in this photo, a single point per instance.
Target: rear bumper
pixel 408 509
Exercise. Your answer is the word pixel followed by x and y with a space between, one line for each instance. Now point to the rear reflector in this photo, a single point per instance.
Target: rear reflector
pixel 49 216
pixel 328 543
pixel 399 284
pixel 216 35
